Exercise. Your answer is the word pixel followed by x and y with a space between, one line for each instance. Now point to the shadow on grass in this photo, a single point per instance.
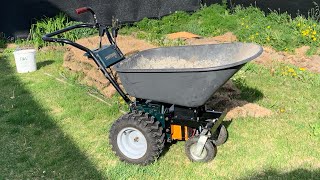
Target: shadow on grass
pixel 249 94
pixel 295 174
pixel 44 63
pixel 31 145
pixel 233 94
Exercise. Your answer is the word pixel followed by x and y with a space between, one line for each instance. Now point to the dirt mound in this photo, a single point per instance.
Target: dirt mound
pixel 75 60
pixel 52 48
pixel 299 59
pixel 182 35
pixel 249 109
pixel 228 97
pixel 227 37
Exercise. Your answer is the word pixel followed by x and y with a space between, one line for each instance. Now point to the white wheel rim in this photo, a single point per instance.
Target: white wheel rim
pixel 132 143
pixel 203 154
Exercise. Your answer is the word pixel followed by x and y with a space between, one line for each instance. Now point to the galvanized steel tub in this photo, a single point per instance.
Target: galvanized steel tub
pixel 190 87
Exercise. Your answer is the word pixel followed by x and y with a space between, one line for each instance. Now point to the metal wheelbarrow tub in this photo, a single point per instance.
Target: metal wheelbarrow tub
pixel 190 87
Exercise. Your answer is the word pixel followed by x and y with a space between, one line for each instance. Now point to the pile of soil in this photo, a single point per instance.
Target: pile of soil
pixel 75 60
pixel 228 97
pixel 182 35
pixel 225 38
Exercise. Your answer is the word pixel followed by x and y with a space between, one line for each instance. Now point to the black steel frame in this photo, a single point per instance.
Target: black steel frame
pixel 184 116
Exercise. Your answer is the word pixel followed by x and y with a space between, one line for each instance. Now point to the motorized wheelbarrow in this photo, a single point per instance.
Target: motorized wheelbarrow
pixel 169 103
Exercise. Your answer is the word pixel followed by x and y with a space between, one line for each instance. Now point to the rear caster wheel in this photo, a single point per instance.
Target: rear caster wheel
pixel 137 138
pixel 208 153
pixel 220 136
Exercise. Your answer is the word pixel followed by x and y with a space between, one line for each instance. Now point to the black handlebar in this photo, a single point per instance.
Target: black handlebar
pixel 49 38
pixel 102 29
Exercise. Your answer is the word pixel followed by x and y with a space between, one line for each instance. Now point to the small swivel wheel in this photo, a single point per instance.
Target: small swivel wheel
pixel 137 138
pixel 208 153
pixel 220 136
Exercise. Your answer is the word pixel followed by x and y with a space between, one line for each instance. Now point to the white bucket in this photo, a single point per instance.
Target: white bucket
pixel 25 60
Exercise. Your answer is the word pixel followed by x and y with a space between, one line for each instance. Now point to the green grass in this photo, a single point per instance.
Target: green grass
pixel 249 24
pixel 3 40
pixel 55 130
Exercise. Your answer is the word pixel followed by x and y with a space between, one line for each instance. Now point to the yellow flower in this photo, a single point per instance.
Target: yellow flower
pixel 314 32
pixel 291 70
pixel 302 69
pixel 268 27
pixel 314 25
pixel 247 26
pixel 257 34
pixel 242 24
pixel 314 39
pixel 299 25
pixel 282 110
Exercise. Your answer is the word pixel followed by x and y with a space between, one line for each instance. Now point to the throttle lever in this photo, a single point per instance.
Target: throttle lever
pixel 82 10
pixel 87 9
pixel 115 27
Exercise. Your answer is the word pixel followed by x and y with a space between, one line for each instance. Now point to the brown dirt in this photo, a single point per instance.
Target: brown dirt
pixel 249 109
pixel 11 45
pixel 227 37
pixel 228 97
pixel 182 35
pixel 299 59
pixel 53 48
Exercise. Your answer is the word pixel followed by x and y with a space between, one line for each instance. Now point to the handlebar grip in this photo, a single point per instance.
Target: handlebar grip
pixel 82 10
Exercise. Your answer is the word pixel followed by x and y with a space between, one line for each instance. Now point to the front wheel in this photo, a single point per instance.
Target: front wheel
pixel 208 153
pixel 137 138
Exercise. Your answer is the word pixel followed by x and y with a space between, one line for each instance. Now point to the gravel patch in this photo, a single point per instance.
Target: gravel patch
pixel 173 63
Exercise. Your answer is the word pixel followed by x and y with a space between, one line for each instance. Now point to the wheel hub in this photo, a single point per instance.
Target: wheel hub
pixel 136 139
pixel 193 149
pixel 132 143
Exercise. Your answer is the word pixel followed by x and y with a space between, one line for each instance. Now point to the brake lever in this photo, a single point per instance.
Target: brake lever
pixel 115 28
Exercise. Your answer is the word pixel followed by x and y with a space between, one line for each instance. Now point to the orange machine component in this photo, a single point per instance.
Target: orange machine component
pixel 176 132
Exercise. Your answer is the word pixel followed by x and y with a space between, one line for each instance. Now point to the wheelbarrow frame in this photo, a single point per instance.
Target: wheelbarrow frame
pixel 155 120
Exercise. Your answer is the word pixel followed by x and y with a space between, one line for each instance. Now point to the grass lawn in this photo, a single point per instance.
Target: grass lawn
pixel 54 130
